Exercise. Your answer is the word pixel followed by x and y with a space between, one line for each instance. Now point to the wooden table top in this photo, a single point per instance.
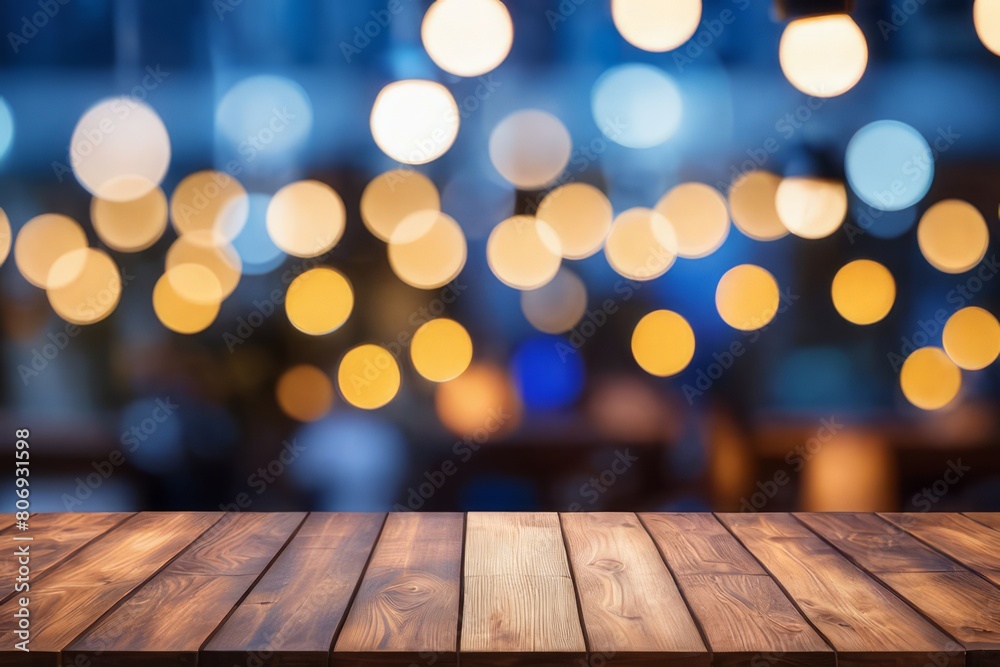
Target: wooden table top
pixel 532 589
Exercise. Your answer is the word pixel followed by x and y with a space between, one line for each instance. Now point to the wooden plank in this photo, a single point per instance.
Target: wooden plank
pixel 630 604
pixel 292 615
pixel 864 622
pixel 77 592
pixel 407 607
pixel 972 544
pixel 168 619
pixel 745 616
pixel 519 606
pixel 6 520
pixel 991 519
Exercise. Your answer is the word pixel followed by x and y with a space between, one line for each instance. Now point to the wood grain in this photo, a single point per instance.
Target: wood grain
pixel 699 544
pixel 519 607
pixel 991 519
pixel 406 610
pixel 292 615
pixel 630 604
pixel 969 542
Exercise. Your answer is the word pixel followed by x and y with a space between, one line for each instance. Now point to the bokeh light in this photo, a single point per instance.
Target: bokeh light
pixel 427 250
pixel 654 25
pixel 530 148
pixel 254 244
pixel 265 110
pixel 211 207
pixel 986 16
pixel 863 291
pixel 6 128
pixel 699 217
pixel 41 242
pixel 130 226
pixel 929 379
pixel 547 372
pixel 304 393
pixel 812 208
pixel 223 261
pixel 971 338
pixel 580 215
pixel 467 37
pixel 642 244
pixel 752 203
pixel 953 236
pixel 306 218
pixel 663 343
pixel 177 313
pixel 414 121
pixel 747 297
pixel 481 403
pixel 823 56
pixel 889 165
pixel 94 291
pixel 195 283
pixel 853 472
pixel 368 377
pixel 524 252
pixel 441 350
pixel 392 196
pixel 638 106
pixel 557 306
pixel 5 236
pixel 319 301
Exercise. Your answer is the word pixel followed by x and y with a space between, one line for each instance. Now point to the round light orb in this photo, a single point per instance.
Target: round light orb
pixel 530 148
pixel 6 128
pixel 637 106
pixel 319 301
pixel 255 246
pixel 823 56
pixel 481 402
pixel 392 196
pixel 558 305
pixel 929 379
pixel 986 17
pixel 304 393
pixel 654 25
pixel 441 350
pixel 863 291
pixel 95 291
pixel 752 204
pixel 5 237
pixel 195 283
pixel 467 37
pixel 368 377
pixel 41 242
pixel 812 208
pixel 972 338
pixel 222 261
pixel 953 236
pixel 265 110
pixel 130 226
pixel 747 297
pixel 306 218
pixel 414 121
pixel 524 252
pixel 663 343
pixel 699 216
pixel 580 215
pixel 889 165
pixel 642 244
pixel 177 313
pixel 209 206
pixel 427 250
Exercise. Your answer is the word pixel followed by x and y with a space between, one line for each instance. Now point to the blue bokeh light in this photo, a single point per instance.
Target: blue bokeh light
pixel 548 372
pixel 259 253
pixel 638 106
pixel 6 128
pixel 889 165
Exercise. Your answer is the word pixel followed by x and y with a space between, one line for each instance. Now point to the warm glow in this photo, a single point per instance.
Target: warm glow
pixel 195 283
pixel 210 206
pixel 663 343
pixel 523 252
pixel 812 208
pixel 427 250
pixel 558 305
pixel 179 314
pixel 747 297
pixel 5 236
pixel 823 56
pixel 93 293
pixel 642 244
pixel 392 196
pixel 986 15
pixel 699 216
pixel 414 121
pixel 304 393
pixel 929 379
pixel 441 350
pixel 972 338
pixel 655 25
pixel 853 472
pixel 130 226
pixel 368 377
pixel 482 402
pixel 530 148
pixel 580 215
pixel 953 236
pixel 319 301
pixel 752 203
pixel 42 241
pixel 467 37
pixel 223 261
pixel 863 291
pixel 305 219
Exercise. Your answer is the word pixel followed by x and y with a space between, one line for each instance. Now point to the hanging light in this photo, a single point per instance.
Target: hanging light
pixel 822 51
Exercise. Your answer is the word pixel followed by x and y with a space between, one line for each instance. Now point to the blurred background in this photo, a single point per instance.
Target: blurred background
pixel 239 220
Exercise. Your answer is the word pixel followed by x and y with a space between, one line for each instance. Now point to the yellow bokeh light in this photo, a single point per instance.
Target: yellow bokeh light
pixel 852 472
pixel 195 283
pixel 223 261
pixel 580 215
pixel 368 377
pixel 530 148
pixel 972 338
pixel 467 37
pixel 523 252
pixel 304 393
pixel 481 403
pixel 210 206
pixel 5 236
pixel 699 216
pixel 42 241
pixel 953 236
pixel 812 208
pixel 390 197
pixel 414 121
pixel 94 291
pixel 319 301
pixel 663 343
pixel 558 305
pixel 863 291
pixel 929 379
pixel 753 206
pixel 441 350
pixel 986 16
pixel 654 25
pixel 177 313
pixel 427 250
pixel 642 244
pixel 747 297
pixel 130 226
pixel 306 218
pixel 823 56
